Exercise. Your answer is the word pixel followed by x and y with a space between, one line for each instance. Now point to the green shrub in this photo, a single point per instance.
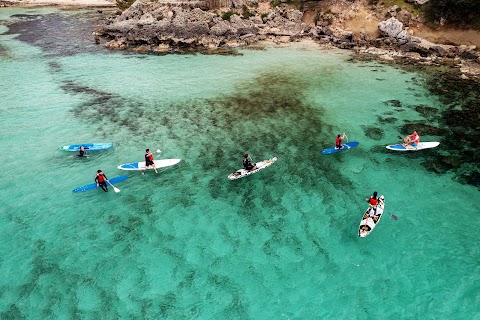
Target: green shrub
pixel 246 13
pixel 275 3
pixel 124 4
pixel 227 15
pixel 461 13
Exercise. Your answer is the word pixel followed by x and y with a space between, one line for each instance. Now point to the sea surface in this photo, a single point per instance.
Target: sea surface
pixel 188 243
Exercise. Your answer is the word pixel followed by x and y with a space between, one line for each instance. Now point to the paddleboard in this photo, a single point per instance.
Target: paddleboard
pixel 87 147
pixel 370 218
pixel 141 165
pixel 94 186
pixel 346 146
pixel 420 146
pixel 240 173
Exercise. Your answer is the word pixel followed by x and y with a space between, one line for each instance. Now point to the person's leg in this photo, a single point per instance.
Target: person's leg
pixel 104 186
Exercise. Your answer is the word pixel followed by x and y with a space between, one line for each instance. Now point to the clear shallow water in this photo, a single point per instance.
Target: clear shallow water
pixel 189 243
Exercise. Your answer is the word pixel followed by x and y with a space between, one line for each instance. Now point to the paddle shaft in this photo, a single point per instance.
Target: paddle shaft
pixel 114 188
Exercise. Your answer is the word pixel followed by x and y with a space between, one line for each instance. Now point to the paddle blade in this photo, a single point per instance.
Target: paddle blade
pixel 114 188
pixel 394 217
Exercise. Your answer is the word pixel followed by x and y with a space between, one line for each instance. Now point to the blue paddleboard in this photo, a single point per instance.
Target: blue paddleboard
pixel 87 147
pixel 346 146
pixel 94 186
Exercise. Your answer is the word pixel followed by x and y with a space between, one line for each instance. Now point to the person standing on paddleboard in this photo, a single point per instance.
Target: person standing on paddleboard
pixel 149 161
pixel 248 163
pixel 101 180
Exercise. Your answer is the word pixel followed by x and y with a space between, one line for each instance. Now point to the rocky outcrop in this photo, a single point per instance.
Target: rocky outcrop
pixel 153 23
pixel 394 29
pixel 160 27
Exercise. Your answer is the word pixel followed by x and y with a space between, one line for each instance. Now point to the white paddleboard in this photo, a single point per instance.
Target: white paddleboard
pixel 420 146
pixel 371 217
pixel 141 165
pixel 240 173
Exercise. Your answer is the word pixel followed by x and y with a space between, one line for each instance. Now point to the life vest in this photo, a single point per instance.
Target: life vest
pixel 101 177
pixel 373 202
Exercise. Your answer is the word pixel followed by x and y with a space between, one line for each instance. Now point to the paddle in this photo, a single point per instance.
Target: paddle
pixel 114 188
pixel 394 217
pixel 158 151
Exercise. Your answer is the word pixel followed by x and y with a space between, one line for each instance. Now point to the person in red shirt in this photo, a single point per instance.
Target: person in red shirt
pixel 149 161
pixel 412 139
pixel 338 142
pixel 101 180
pixel 373 200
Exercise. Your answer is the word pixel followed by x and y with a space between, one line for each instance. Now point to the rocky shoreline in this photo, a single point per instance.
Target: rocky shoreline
pixel 191 26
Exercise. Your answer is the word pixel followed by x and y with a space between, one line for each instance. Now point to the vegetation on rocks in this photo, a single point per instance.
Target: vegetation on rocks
pixel 459 13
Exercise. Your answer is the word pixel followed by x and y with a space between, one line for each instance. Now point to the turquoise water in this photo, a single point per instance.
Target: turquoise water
pixel 190 244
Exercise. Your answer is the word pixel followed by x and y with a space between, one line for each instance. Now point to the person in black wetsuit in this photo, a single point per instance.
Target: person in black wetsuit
pixel 81 152
pixel 248 164
pixel 101 180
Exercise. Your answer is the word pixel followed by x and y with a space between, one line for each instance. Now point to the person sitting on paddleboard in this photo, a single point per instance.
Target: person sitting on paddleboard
pixel 412 139
pixel 149 161
pixel 81 152
pixel 338 142
pixel 101 180
pixel 248 164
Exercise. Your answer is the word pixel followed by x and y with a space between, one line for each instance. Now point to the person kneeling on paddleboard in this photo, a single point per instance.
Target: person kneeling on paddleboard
pixel 338 142
pixel 149 161
pixel 412 139
pixel 373 202
pixel 248 164
pixel 101 180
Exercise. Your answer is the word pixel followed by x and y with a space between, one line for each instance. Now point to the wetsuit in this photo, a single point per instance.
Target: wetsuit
pixel 81 153
pixel 101 180
pixel 247 164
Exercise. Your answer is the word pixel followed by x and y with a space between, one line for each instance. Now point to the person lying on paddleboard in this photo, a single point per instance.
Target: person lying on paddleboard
pixel 338 141
pixel 248 163
pixel 149 161
pixel 412 139
pixel 101 180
